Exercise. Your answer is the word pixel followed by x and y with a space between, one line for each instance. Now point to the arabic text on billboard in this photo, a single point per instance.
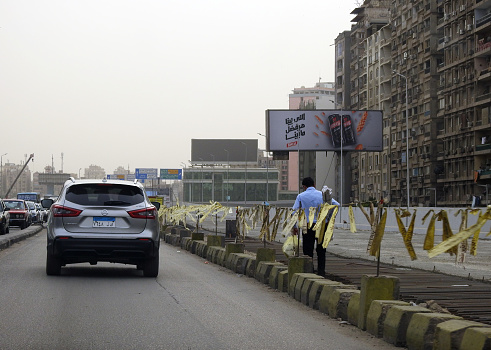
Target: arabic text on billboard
pixel 324 130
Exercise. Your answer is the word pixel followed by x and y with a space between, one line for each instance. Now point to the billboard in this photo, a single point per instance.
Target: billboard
pixel 323 130
pixel 212 151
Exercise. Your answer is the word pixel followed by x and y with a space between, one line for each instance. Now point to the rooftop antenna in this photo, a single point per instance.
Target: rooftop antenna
pixel 62 162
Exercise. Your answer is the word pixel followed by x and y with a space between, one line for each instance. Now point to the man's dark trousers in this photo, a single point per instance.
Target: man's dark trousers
pixel 309 241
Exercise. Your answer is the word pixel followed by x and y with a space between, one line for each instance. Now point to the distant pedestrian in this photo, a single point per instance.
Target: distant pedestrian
pixel 311 198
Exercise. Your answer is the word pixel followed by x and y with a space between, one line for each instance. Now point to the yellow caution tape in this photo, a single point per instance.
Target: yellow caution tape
pixel 352 223
pixel 379 234
pixel 453 241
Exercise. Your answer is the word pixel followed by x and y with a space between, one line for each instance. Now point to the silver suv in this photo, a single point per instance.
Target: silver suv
pixel 103 220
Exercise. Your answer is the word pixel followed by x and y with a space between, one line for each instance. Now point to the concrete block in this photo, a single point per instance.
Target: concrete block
pixel 183 242
pixel 233 248
pixel 235 260
pixel 303 293
pixel 251 267
pixel 265 254
pixel 294 280
pixel 283 281
pixel 215 241
pixel 183 232
pixel 197 236
pixel 397 321
pixel 422 328
pixel 316 290
pixel 301 264
pixel 263 270
pixel 201 250
pixel 376 315
pixel 195 246
pixel 376 288
pixel 354 309
pixel 478 338
pixel 273 276
pixel 338 303
pixel 327 290
pixel 209 253
pixel 221 257
pixel 449 334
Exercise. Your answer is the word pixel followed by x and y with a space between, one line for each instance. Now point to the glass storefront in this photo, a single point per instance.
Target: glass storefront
pixel 227 185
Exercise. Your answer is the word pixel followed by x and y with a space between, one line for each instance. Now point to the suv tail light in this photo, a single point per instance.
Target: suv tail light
pixel 62 211
pixel 147 213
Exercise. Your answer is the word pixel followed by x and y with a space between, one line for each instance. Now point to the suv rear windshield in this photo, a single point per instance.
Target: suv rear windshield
pixel 104 194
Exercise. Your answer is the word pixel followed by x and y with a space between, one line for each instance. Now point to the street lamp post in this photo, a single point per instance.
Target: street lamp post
pixel 1 173
pixel 267 172
pixel 184 165
pixel 213 178
pixel 228 169
pixel 201 179
pixel 245 181
pixel 407 139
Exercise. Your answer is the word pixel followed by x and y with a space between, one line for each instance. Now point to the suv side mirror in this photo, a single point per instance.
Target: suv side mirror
pixel 156 204
pixel 47 203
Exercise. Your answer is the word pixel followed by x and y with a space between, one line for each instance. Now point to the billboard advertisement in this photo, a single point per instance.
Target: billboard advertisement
pixel 324 130
pixel 213 151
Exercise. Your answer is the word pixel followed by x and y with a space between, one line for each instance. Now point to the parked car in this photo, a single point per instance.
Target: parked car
pixel 19 212
pixel 4 218
pixel 34 216
pixel 102 220
pixel 43 212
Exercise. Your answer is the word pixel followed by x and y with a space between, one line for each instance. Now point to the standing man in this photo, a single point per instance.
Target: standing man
pixel 311 197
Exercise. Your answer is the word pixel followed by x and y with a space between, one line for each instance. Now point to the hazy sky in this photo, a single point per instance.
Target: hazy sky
pixel 130 83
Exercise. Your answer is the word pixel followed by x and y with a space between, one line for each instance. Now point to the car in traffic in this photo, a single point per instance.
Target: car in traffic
pixel 34 215
pixel 19 212
pixel 43 212
pixel 4 218
pixel 102 221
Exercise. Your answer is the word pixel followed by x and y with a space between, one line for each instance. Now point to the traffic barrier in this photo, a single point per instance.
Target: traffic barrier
pixel 376 288
pixel 476 339
pixel 397 321
pixel 316 290
pixel 376 315
pixel 263 270
pixel 274 276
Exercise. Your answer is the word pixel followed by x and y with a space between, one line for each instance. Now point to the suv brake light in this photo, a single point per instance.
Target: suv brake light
pixel 62 211
pixel 147 213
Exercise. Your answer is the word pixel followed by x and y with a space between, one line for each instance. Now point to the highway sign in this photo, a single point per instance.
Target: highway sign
pixel 171 174
pixel 145 173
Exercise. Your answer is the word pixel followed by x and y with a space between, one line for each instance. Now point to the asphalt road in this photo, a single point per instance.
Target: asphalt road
pixel 191 305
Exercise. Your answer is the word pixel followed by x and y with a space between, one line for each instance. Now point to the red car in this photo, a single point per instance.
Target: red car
pixel 19 212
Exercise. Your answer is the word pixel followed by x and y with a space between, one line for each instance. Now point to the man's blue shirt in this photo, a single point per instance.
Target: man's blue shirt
pixel 309 198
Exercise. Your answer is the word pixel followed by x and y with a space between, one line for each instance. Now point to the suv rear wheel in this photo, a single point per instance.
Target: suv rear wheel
pixel 53 265
pixel 151 266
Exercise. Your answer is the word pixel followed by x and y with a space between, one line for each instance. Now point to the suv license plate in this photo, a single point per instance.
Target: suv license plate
pixel 104 221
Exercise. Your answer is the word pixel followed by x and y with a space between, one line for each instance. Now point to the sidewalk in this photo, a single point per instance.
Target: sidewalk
pixel 393 251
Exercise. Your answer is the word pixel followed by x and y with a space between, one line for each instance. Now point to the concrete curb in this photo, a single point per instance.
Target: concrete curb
pixel 397 322
pixel 11 238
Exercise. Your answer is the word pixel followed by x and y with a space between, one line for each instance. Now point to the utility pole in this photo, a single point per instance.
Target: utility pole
pixel 18 175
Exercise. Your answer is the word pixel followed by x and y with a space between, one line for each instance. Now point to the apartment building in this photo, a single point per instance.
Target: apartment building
pixel 425 64
pixel 464 100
